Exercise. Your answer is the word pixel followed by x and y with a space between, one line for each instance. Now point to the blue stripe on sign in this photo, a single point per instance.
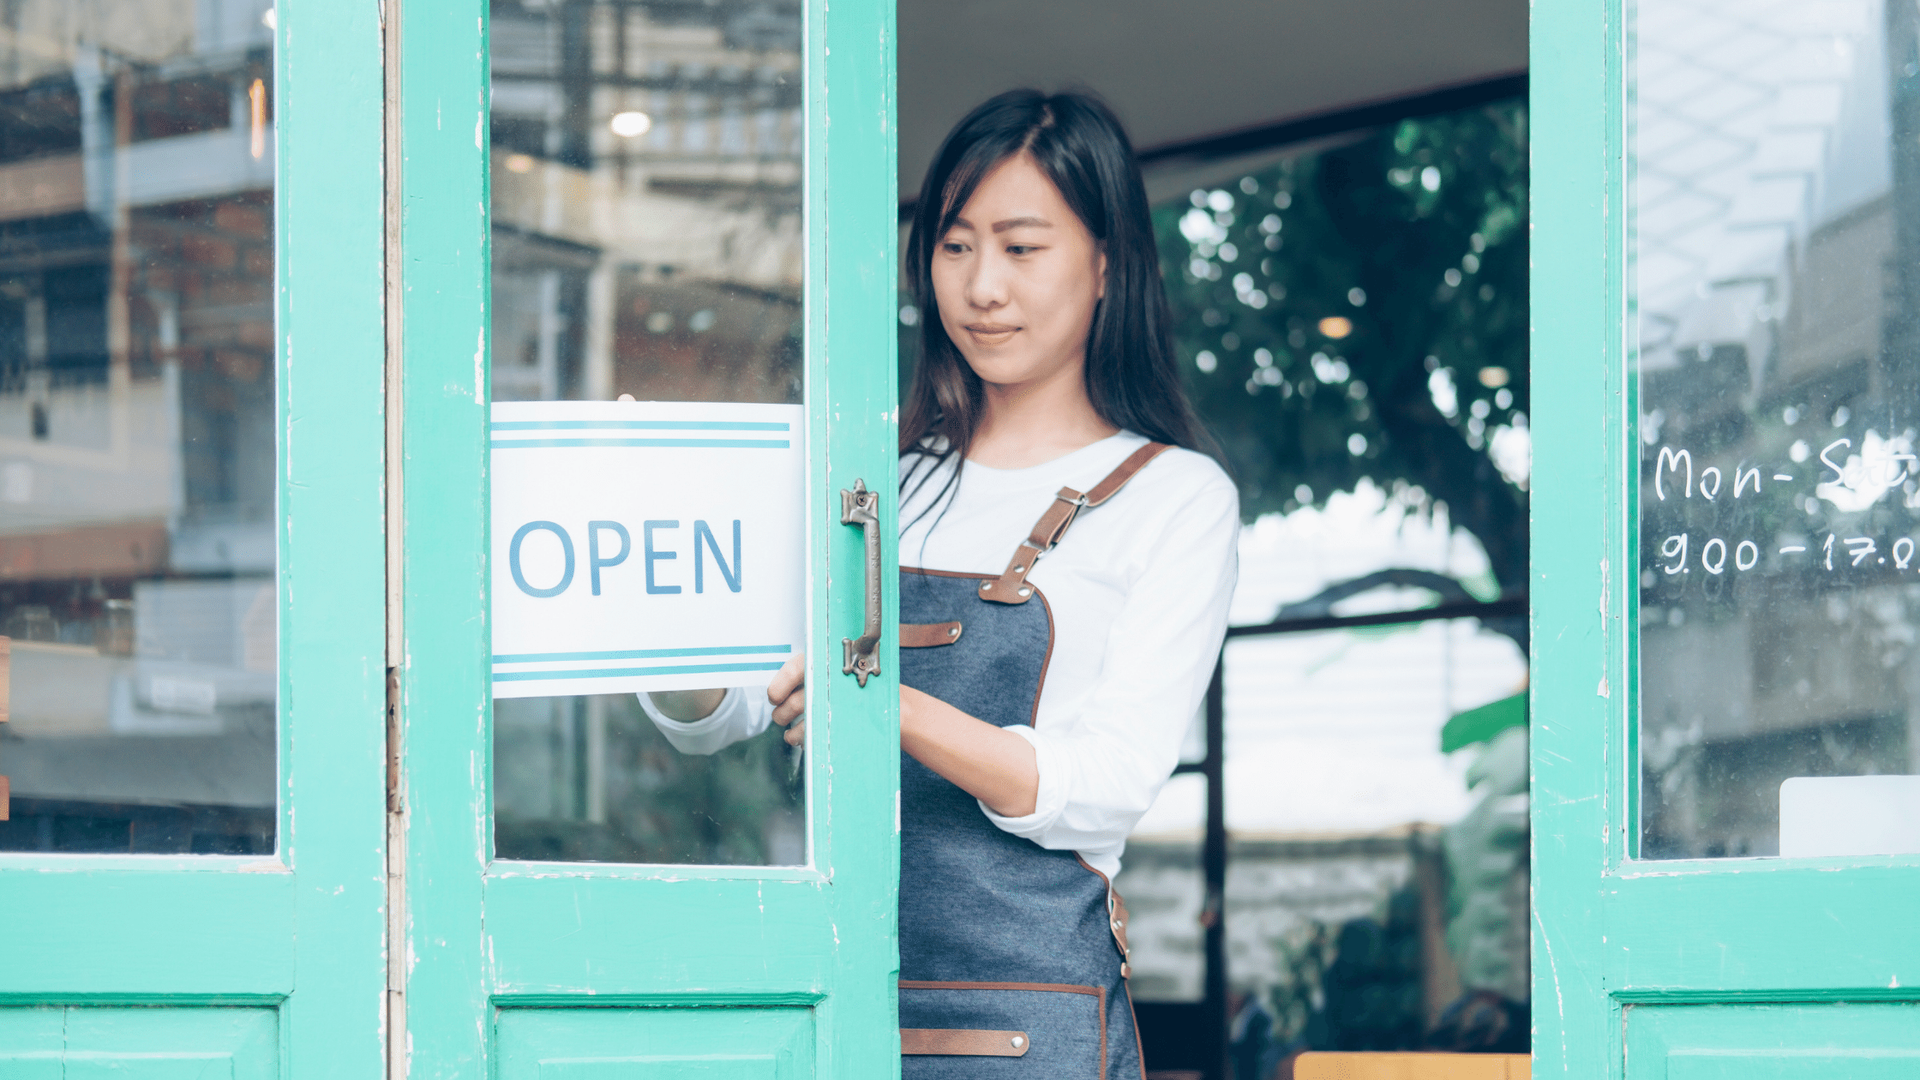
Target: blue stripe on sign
pixel 649 425
pixel 616 673
pixel 637 654
pixel 749 444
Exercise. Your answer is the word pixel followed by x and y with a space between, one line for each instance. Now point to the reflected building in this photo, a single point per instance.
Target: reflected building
pixel 1775 247
pixel 647 168
pixel 137 539
pixel 647 164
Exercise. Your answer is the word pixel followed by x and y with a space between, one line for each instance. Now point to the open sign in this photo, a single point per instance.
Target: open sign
pixel 597 562
pixel 645 545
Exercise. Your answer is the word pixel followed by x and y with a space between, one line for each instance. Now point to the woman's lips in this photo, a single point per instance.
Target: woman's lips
pixel 991 333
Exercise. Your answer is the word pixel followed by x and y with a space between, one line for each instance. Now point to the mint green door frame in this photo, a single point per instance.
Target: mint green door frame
pixel 301 932
pixel 1612 933
pixel 488 939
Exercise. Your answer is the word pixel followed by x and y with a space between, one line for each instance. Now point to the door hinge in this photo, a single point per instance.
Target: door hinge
pixel 395 802
pixel 396 948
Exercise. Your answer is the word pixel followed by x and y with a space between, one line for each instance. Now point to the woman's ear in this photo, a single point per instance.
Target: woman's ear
pixel 1100 275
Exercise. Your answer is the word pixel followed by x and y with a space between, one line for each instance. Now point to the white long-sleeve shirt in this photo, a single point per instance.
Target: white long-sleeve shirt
pixel 1138 590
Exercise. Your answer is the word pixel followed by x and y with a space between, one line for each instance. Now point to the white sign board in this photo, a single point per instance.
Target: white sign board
pixel 1849 815
pixel 646 545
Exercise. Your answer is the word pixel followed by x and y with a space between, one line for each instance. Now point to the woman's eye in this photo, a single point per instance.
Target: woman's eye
pixel 952 247
pixel 1019 249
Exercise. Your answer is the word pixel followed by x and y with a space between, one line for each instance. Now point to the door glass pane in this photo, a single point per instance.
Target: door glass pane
pixel 1775 277
pixel 137 550
pixel 647 240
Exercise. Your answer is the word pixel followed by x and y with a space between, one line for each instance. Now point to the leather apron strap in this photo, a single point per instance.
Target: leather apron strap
pixel 1011 586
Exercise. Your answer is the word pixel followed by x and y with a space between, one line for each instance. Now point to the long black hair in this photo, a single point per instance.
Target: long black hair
pixel 1132 374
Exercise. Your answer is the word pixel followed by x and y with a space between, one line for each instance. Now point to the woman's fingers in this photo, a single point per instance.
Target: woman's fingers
pixel 792 708
pixel 791 676
pixel 787 692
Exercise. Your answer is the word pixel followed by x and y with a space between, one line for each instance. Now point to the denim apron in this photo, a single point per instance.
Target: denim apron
pixel 1012 957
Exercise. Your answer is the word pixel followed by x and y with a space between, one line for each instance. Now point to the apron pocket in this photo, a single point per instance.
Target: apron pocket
pixel 980 1031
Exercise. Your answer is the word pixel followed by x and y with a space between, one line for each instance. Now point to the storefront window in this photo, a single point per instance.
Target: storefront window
pixel 647 240
pixel 1774 156
pixel 137 542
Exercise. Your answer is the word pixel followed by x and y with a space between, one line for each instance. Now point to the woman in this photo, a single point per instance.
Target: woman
pixel 1045 689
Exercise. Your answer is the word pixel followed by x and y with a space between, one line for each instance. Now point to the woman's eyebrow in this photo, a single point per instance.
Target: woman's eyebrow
pixel 1021 222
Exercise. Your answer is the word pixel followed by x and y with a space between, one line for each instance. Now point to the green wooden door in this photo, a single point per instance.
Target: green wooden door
pixel 683 203
pixel 1724 736
pixel 191 820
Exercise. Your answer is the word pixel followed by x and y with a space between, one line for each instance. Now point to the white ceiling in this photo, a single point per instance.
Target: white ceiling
pixel 1178 72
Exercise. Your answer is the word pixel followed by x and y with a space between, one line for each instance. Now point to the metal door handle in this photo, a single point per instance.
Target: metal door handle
pixel 862 507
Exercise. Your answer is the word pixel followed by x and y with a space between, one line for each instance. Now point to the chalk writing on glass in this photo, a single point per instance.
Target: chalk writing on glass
pixel 1850 481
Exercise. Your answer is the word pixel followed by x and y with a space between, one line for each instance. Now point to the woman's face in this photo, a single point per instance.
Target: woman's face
pixel 1017 278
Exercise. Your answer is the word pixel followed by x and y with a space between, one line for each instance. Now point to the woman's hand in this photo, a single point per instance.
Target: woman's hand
pixel 788 695
pixel 995 766
pixel 987 762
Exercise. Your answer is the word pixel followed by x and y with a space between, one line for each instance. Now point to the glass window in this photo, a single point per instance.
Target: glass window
pixel 1377 863
pixel 1351 317
pixel 137 550
pixel 647 240
pixel 1773 276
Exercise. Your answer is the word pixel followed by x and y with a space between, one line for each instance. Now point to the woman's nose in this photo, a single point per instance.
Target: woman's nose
pixel 987 285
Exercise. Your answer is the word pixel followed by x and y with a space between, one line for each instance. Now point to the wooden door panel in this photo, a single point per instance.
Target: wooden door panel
pixel 1840 1040
pixel 549 935
pixel 202 930
pixel 85 1042
pixel 655 1044
pixel 1839 925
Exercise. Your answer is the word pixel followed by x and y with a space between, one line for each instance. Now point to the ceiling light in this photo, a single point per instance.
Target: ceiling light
pixel 630 125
